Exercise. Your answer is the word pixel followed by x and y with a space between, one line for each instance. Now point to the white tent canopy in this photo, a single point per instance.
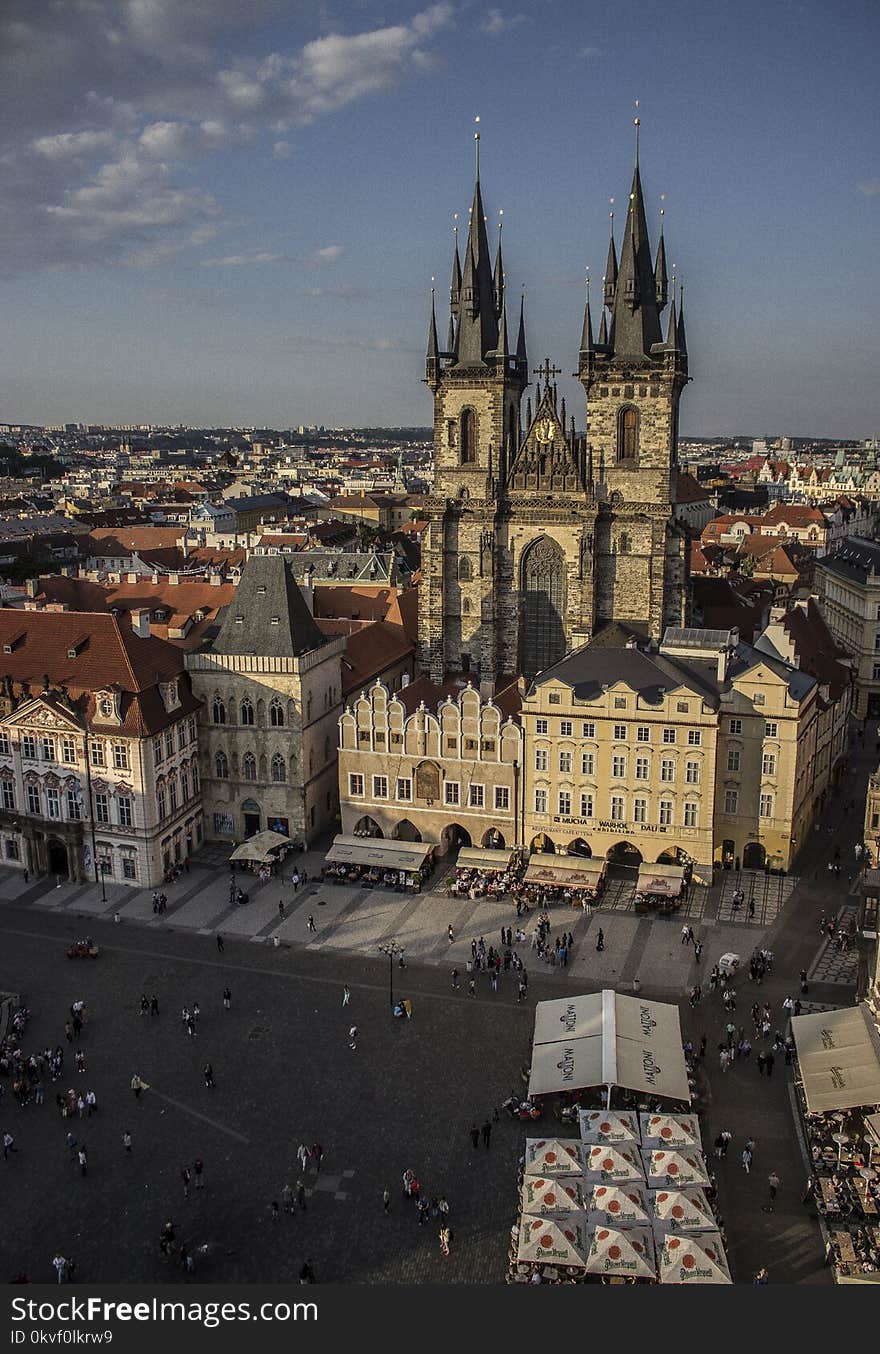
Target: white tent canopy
pixel 379 852
pixel 574 872
pixel 662 879
pixel 261 847
pixel 839 1057
pixel 484 858
pixel 605 1039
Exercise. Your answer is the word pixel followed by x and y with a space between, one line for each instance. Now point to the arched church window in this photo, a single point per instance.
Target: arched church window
pixel 221 766
pixel 465 606
pixel 468 440
pixel 542 608
pixel 218 711
pixel 623 544
pixel 249 766
pixel 465 572
pixel 628 434
pixel 276 714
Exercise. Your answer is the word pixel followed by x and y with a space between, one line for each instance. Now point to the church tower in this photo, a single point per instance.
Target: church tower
pixel 633 377
pixel 477 383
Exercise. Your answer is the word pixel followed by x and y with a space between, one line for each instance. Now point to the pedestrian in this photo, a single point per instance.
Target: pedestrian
pixel 768 1063
pixel 773 1183
pixel 751 909
pixel 83 1160
pixel 472 987
pixel 494 981
pixel 487 1133
pixel 312 926
pixel 475 1136
pixel 352 1036
pixel 698 950
pixel 209 1075
pixel 301 1195
pixel 521 991
pixel 445 1238
pixel 281 910
pixel 346 995
pixel 746 1160
pixel 145 1005
pixel 227 999
pixel 702 1050
pixel 386 1202
pixel 804 986
pixel 302 1153
pixel 59 1264
pixel 761 1276
pixel 185 1177
pixel 318 1156
pixel 423 1207
pixel 154 1005
pixel 80 1061
pixel 762 1062
pixel 8 1145
pixel 137 1086
pixel 198 1173
pixel 220 945
pixel 287 1197
pixel 455 982
pixel 600 940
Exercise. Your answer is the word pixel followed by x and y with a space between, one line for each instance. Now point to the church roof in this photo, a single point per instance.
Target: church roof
pixel 268 615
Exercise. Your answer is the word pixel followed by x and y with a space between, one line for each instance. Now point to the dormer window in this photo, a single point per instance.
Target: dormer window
pixel 170 694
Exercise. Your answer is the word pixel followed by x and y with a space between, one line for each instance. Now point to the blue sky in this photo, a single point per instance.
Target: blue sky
pixel 215 212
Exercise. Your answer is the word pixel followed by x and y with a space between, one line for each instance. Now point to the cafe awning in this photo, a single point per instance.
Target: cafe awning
pixel 606 1039
pixel 667 880
pixel 379 852
pixel 839 1057
pixel 573 872
pixel 261 847
pixel 481 858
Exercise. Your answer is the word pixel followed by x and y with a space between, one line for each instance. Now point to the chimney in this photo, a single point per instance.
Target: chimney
pixel 215 580
pixel 32 587
pixel 140 622
pixel 174 579
pixel 131 578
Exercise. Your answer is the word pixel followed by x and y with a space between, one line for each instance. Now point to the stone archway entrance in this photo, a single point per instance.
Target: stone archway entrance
pixel 252 817
pixel 624 853
pixel 543 843
pixel 754 856
pixel 405 831
pixel 455 836
pixel 367 827
pixel 56 854
pixel 493 840
pixel 579 847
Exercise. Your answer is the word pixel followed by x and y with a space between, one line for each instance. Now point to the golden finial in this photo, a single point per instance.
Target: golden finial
pixel 611 213
pixel 477 143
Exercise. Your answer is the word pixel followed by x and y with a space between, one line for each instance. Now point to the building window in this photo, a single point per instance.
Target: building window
pixel 731 801
pixel 733 759
pixel 380 787
pixel 682 707
pixel 771 730
pixel 172 793
pixel 502 797
pixel 627 434
pixel 565 728
pixel 4 744
pixel 476 797
pixel 692 773
pixel 404 789
pixel 249 766
pixel 540 801
pixel 53 803
pixel 876 676
pixel 643 767
pixel 690 814
pixel 224 825
pixel 620 701
pixel 565 761
pixel 184 786
pixel 276 715
pixel 247 712
pixel 451 792
pixel 665 812
pixel 279 769
pixel 586 806
pixel 768 764
pixel 11 849
pixel 588 763
pixel 102 807
pixel 68 750
pixel 120 756
pixel 125 816
pixel 355 784
pixel 616 808
pixel 565 803
pixel 221 766
pixel 766 809
pixel 643 734
pixel 47 749
pixel 33 799
pixel 191 728
pixel 157 751
pixel 618 767
pixel 640 810
pixel 195 778
pixel 161 805
pixel 589 731
pixel 29 746
pixel 74 805
pixel 667 769
pixel 129 867
pixel 7 793
pixel 169 742
pixel 735 726
pixel 669 735
pixel 467 442
pixel 695 738
pixel 759 698
pixel 218 711
pixel 554 698
pixel 465 573
pixel 542 759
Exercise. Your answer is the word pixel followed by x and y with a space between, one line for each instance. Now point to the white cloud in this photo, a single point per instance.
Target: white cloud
pixel 66 145
pixel 329 254
pixel 869 187
pixel 282 150
pixel 496 22
pixel 242 260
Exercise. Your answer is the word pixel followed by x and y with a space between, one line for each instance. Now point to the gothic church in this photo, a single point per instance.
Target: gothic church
pixel 537 538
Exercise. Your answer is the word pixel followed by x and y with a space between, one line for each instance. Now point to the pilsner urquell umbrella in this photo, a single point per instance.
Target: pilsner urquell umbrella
pixel 554 1156
pixel 683 1210
pixel 619 1164
pixel 612 1127
pixel 693 1259
pixel 618 1205
pixel 548 1196
pixel 629 1252
pixel 553 1241
pixel 671 1130
pixel 664 1167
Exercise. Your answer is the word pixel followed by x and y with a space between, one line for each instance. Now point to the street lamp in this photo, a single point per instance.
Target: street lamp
pixel 392 949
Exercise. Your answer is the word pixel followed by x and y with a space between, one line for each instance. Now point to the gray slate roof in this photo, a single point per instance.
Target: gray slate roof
pixel 268 614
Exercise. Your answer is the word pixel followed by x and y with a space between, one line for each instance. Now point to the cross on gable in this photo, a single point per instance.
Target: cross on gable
pixel 547 371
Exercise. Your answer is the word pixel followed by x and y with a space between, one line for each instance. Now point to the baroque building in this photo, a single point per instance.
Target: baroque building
pixel 538 537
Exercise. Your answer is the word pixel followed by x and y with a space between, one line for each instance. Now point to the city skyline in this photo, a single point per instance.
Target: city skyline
pixel 180 244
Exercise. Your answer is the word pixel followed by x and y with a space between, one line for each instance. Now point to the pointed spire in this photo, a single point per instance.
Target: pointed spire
pixel 521 355
pixel 450 339
pixel 562 415
pixel 455 288
pixel 603 332
pixel 611 264
pixel 680 335
pixel 433 345
pixel 498 274
pixel 587 331
pixel 502 350
pixel 672 324
pixel 661 281
pixel 529 412
pixel 636 317
pixel 478 319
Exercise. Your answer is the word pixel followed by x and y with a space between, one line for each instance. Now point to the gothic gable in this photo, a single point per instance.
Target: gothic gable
pixel 547 459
